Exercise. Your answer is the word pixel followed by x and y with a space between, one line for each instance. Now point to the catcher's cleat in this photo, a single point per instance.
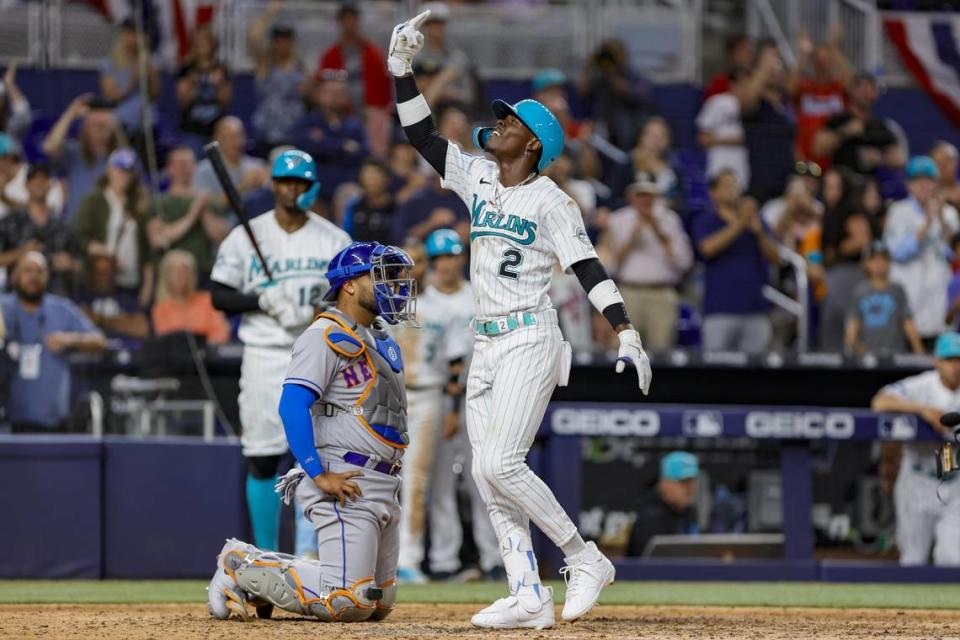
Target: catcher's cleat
pixel 508 613
pixel 586 574
pixel 224 596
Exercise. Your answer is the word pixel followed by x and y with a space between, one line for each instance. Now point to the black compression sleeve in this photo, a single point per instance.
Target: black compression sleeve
pixel 229 300
pixel 422 135
pixel 591 273
pixel 616 315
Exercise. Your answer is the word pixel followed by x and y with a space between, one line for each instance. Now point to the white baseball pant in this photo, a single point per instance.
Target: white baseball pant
pixel 923 521
pixel 424 421
pixel 446 530
pixel 262 371
pixel 511 380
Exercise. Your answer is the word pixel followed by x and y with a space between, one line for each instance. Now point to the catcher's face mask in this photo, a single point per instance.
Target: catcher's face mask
pixel 394 287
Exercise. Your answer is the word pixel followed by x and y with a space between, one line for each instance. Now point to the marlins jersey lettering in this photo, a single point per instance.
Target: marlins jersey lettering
pixel 444 335
pixel 298 262
pixel 517 234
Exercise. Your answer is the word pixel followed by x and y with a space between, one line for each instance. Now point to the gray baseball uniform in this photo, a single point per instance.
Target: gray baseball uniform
pixel 359 420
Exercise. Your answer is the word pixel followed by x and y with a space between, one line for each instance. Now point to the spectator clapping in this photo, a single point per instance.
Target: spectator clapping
pixel 280 79
pixel 204 90
pixel 111 222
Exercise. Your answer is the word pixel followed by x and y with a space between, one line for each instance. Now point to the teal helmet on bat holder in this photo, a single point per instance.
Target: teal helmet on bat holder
pixel 535 117
pixel 298 165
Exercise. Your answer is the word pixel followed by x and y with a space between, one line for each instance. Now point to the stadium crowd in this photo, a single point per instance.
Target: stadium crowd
pixel 122 223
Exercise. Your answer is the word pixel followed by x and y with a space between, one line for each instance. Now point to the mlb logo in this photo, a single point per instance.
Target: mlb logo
pixel 900 427
pixel 703 424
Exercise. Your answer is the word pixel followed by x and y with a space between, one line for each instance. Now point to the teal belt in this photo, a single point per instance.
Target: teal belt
pixel 505 324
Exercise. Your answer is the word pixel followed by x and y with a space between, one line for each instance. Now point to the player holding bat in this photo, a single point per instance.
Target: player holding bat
pixel 277 303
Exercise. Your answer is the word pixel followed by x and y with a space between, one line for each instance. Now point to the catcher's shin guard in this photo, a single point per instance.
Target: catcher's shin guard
pixel 278 580
pixel 355 604
pixel 387 600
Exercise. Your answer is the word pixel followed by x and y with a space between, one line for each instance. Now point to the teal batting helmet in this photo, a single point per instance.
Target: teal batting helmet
pixel 535 117
pixel 444 242
pixel 298 165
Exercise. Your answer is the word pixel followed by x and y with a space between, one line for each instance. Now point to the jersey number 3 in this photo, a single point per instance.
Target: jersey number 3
pixel 511 259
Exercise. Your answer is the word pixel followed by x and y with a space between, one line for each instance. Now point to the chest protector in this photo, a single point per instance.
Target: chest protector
pixel 382 402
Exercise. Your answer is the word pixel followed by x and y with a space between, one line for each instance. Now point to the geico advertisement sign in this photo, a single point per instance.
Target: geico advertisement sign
pixel 808 424
pixel 604 422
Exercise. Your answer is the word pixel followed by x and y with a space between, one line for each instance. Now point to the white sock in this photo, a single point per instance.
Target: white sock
pixel 573 546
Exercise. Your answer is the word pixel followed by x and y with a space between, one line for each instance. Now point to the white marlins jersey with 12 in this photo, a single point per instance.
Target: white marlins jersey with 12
pixel 298 262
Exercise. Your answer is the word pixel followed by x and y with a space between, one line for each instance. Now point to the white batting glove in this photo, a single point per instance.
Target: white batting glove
pixel 631 351
pixel 275 302
pixel 405 43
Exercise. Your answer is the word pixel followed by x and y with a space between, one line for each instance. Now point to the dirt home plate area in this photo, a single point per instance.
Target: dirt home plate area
pixel 165 621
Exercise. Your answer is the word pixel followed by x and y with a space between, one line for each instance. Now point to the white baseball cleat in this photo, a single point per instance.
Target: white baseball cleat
pixel 586 574
pixel 507 613
pixel 223 595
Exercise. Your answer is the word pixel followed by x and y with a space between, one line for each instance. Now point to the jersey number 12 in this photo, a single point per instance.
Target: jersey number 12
pixel 310 296
pixel 511 259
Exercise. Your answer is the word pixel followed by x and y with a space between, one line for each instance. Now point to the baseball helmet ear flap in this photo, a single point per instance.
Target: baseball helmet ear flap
pixel 480 137
pixel 298 165
pixel 306 199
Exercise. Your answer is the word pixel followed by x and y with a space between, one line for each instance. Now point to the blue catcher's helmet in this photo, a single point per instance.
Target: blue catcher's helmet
pixel 390 271
pixel 443 242
pixel 535 117
pixel 298 165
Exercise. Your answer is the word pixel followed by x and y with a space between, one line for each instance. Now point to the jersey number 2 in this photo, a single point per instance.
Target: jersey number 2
pixel 511 258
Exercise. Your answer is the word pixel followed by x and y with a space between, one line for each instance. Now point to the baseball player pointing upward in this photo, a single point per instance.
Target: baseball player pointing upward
pixel 521 225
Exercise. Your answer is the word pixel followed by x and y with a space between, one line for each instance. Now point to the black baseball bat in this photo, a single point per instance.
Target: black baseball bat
pixel 212 151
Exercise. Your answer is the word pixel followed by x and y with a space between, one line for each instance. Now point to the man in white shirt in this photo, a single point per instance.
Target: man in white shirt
pixel 650 254
pixel 918 231
pixel 720 132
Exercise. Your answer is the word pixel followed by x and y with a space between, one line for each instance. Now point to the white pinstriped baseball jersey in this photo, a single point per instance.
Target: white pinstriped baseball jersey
pixel 926 389
pixel 444 335
pixel 517 234
pixel 298 262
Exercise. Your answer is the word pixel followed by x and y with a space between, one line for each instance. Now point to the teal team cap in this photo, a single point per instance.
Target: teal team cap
pixel 680 465
pixel 948 345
